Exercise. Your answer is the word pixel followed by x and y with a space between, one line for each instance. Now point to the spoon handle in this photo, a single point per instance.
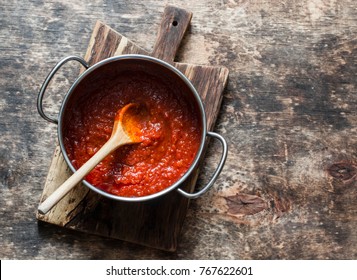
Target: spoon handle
pixel 72 181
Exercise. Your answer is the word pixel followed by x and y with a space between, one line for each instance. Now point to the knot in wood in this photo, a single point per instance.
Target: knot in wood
pixel 342 171
pixel 245 204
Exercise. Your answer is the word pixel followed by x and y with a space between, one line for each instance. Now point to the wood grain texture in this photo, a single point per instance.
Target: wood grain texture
pixel 288 113
pixel 156 224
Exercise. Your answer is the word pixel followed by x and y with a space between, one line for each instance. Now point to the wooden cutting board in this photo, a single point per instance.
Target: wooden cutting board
pixel 155 223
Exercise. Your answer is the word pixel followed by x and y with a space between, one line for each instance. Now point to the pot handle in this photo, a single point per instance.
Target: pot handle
pixel 217 171
pixel 47 81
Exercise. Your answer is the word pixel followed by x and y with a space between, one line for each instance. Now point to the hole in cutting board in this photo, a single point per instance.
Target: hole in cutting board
pixel 175 23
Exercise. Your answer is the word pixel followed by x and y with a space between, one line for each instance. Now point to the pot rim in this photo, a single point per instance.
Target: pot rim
pixel 169 67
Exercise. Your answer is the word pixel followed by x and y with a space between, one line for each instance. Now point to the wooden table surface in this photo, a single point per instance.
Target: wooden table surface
pixel 288 189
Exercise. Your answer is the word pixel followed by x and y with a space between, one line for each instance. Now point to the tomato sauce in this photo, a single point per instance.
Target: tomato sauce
pixel 171 132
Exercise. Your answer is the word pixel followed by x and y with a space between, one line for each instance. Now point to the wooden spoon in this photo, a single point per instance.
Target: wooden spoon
pixel 126 130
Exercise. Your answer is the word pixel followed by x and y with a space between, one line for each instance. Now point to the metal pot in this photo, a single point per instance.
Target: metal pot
pixel 112 67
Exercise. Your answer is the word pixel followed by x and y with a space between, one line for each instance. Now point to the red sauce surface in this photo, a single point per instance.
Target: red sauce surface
pixel 172 135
